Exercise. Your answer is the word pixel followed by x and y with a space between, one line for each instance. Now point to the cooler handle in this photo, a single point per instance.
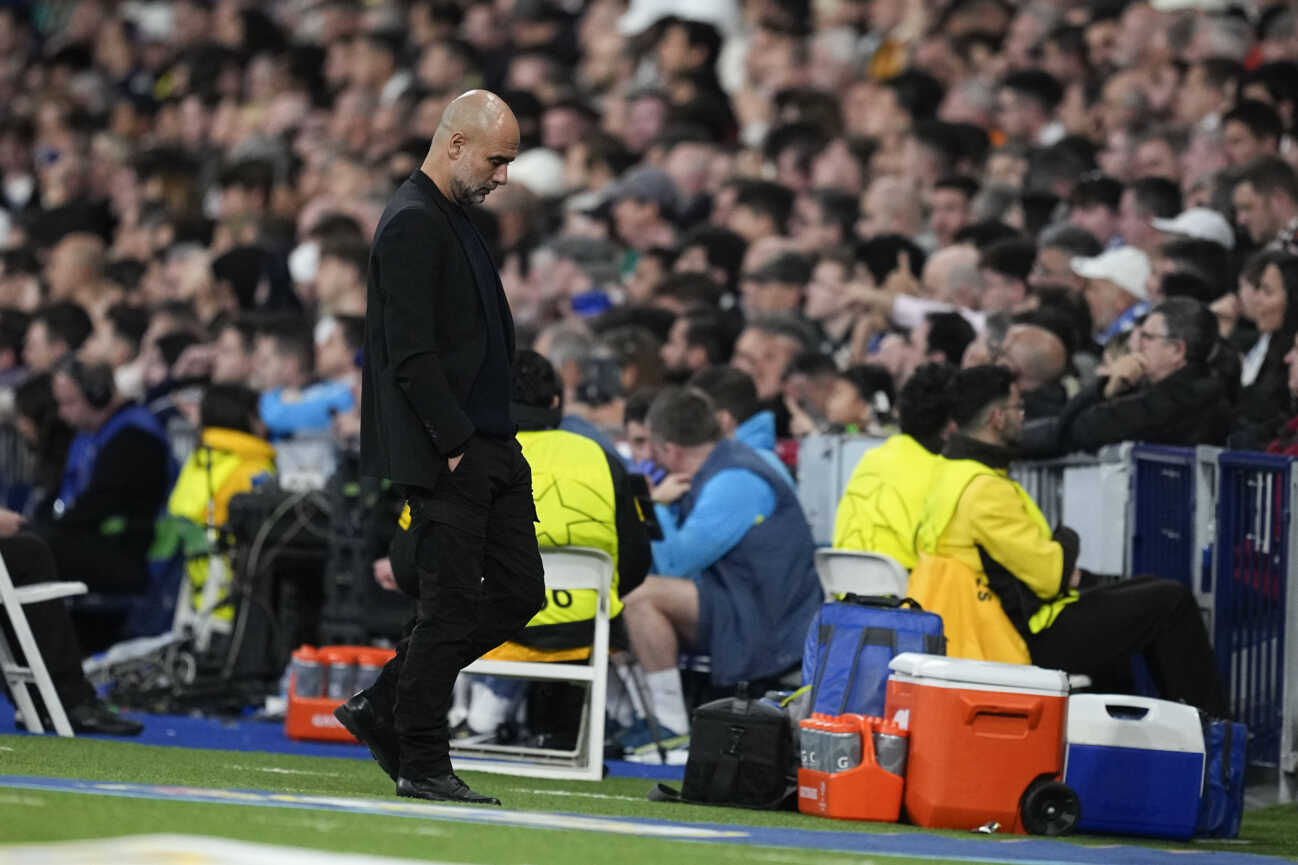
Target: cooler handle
pixel 1032 713
pixel 1125 712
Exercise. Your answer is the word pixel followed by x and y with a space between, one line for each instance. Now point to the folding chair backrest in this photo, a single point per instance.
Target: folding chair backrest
pixel 861 573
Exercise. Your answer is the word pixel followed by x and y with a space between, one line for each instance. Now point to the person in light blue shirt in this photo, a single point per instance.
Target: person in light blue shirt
pixel 739 412
pixel 294 405
pixel 734 530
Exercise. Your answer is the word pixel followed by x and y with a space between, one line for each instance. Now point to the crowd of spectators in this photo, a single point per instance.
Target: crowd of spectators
pixel 791 205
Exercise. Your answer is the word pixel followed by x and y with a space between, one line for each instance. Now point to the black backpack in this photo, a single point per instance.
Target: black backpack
pixel 741 754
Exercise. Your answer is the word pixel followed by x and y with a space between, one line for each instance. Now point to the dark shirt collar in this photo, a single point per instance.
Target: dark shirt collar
pixel 962 447
pixel 425 183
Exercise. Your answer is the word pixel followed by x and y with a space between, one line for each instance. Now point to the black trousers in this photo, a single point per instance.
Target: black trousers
pixel 470 559
pixel 97 561
pixel 30 560
pixel 1106 627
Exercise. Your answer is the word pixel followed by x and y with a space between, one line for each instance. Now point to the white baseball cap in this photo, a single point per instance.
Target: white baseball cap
pixel 1126 267
pixel 1200 223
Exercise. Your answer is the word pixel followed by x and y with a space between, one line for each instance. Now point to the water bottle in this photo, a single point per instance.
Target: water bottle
pixel 340 672
pixel 307 675
pixel 891 745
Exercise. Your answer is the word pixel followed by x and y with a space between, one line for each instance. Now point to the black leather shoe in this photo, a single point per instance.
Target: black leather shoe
pixel 361 720
pixel 98 719
pixel 442 788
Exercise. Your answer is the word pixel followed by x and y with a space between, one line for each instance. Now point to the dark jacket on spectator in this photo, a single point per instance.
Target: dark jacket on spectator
pixel 1044 402
pixel 1263 406
pixel 1189 407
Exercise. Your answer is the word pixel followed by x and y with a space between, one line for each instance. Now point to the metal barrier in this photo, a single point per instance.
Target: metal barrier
pixel 1254 541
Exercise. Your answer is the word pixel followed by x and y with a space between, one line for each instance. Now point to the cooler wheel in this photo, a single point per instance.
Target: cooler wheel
pixel 1050 807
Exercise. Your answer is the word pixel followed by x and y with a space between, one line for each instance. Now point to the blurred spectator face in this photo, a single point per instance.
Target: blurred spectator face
pixel 1106 301
pixel 1266 302
pixel 764 357
pixel 1242 146
pixel 73 407
pixel 1156 158
pixel 1197 98
pixel 440 69
pixel 1020 118
pixel 40 351
pixel 836 168
pixel 638 440
pixel 767 297
pixel 889 206
pixel 1254 213
pixel 73 266
pixel 948 213
pixel 846 407
pixel 676 352
pixel 1116 156
pixel 1205 156
pixel 1052 267
pixel 1001 293
pixel 231 363
pixel 809 227
pixel 335 359
pixel 561 128
pixel 632 218
pixel 896 354
pixel 750 224
pixel 1162 355
pixel 1135 225
pixel 826 293
pixel 648 273
pixel 1097 219
pixel 1007 169
pixel 155 368
pixel 105 345
pixel 644 122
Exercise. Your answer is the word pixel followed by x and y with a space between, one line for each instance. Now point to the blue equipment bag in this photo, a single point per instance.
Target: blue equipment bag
pixel 1222 805
pixel 849 644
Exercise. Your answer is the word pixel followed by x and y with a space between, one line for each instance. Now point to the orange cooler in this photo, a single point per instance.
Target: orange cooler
pixel 980 734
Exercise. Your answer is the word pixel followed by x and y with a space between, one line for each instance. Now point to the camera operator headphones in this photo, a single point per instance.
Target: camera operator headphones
pixel 94 380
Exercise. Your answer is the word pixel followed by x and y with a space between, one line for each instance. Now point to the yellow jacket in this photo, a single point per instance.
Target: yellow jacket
pixel 985 550
pixel 881 505
pixel 224 464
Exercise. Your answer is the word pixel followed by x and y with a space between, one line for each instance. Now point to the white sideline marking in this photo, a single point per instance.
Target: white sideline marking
pixel 576 793
pixel 278 771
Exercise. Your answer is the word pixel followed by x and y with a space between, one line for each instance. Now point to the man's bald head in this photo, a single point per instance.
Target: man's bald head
pixel 951 275
pixel 475 141
pixel 1037 355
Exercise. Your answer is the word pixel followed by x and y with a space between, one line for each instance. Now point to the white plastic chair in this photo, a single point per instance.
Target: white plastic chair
pixel 566 569
pixel 18 677
pixel 843 571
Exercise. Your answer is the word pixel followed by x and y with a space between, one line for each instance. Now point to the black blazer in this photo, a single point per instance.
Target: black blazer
pixel 425 339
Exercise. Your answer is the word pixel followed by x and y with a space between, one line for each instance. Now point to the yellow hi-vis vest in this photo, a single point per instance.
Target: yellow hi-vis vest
pixel 949 578
pixel 225 463
pixel 884 498
pixel 575 506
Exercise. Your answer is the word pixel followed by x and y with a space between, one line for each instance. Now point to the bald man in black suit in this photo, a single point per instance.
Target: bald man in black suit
pixel 435 420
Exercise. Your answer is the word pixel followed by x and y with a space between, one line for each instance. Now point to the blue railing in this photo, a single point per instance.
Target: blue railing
pixel 1162 533
pixel 1252 552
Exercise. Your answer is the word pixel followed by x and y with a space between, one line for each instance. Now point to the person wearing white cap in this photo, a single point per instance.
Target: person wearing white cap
pixel 1116 290
pixel 1199 223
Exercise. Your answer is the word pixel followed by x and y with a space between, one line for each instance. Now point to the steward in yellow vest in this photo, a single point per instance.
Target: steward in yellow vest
pixel 1006 586
pixel 988 561
pixel 228 459
pixel 881 505
pixel 582 499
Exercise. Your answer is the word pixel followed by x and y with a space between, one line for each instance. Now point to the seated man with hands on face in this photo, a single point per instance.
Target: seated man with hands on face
pixel 1173 388
pixel 733 575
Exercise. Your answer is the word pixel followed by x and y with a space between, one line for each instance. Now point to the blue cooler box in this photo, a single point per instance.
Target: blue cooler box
pixel 1136 764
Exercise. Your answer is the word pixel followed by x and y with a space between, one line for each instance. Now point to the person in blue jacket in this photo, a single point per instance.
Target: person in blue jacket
pixel 295 404
pixel 740 413
pixel 734 572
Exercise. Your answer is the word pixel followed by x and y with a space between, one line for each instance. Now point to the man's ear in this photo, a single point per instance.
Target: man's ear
pixel 726 419
pixel 455 146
